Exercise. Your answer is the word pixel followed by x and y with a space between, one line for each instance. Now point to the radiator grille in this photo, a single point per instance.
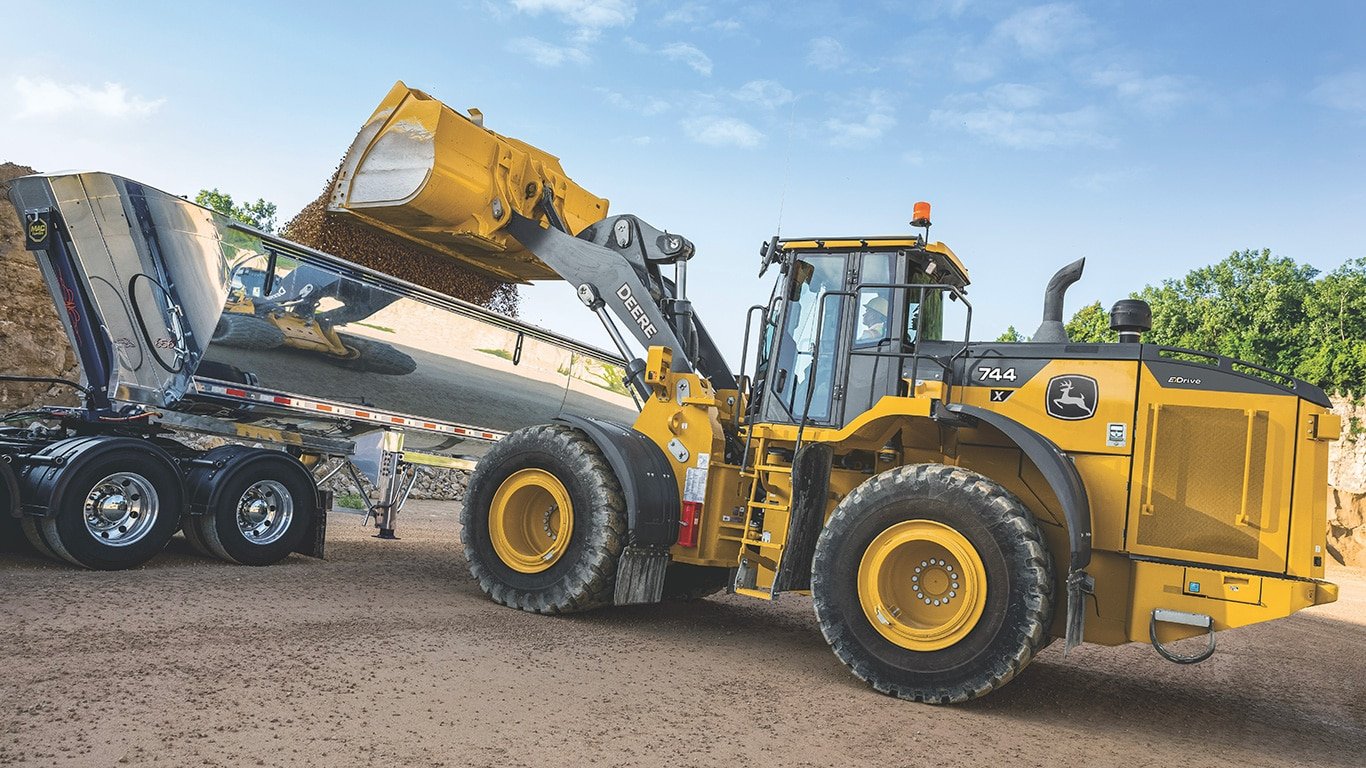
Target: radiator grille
pixel 1204 479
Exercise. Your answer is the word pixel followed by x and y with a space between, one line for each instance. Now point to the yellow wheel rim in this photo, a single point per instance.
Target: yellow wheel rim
pixel 922 585
pixel 531 520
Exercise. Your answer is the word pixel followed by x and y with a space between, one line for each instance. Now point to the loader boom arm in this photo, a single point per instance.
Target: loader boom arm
pixel 615 264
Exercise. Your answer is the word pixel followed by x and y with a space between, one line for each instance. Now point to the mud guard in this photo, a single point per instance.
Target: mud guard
pixel 205 479
pixel 46 474
pixel 647 480
pixel 810 494
pixel 1063 478
pixel 9 490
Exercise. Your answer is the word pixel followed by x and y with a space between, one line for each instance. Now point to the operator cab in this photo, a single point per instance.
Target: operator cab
pixel 847 320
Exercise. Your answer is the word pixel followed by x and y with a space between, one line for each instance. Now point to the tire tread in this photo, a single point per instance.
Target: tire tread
pixel 591 580
pixel 1033 571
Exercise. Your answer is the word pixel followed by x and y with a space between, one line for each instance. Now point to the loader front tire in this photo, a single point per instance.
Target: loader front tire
pixel 544 522
pixel 932 583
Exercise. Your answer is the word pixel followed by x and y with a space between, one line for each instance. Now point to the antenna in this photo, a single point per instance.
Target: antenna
pixel 787 165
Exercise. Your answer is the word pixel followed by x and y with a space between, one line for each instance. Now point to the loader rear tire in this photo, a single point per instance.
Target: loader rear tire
pixel 247 332
pixel 544 522
pixel 933 583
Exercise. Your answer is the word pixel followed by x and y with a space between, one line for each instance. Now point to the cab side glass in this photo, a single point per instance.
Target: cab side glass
pixel 875 303
pixel 924 311
pixel 803 369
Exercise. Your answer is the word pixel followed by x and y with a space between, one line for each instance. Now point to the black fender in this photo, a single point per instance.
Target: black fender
pixel 810 493
pixel 1062 476
pixel 46 474
pixel 210 472
pixel 647 479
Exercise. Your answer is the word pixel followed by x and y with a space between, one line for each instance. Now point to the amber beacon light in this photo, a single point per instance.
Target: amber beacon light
pixel 920 214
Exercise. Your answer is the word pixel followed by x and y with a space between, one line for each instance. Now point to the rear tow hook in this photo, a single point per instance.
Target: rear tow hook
pixel 1185 619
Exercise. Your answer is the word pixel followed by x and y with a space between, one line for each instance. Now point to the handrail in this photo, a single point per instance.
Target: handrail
pixel 1231 365
pixel 921 288
pixel 815 364
pixel 745 383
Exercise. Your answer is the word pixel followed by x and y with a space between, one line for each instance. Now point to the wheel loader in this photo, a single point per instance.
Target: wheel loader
pixel 951 507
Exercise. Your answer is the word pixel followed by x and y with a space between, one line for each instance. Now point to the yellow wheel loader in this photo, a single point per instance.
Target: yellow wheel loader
pixel 949 506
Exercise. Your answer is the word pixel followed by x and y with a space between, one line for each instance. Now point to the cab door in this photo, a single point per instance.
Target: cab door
pixel 804 357
pixel 872 366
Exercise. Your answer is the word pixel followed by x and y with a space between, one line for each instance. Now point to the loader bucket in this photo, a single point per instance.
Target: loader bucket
pixel 423 172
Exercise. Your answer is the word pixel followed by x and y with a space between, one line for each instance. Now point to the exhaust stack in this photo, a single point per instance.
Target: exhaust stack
pixel 1051 330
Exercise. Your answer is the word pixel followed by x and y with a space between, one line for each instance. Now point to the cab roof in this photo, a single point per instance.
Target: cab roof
pixel 938 252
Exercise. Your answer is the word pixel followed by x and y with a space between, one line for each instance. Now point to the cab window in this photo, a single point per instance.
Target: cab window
pixel 801 367
pixel 874 303
pixel 924 311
